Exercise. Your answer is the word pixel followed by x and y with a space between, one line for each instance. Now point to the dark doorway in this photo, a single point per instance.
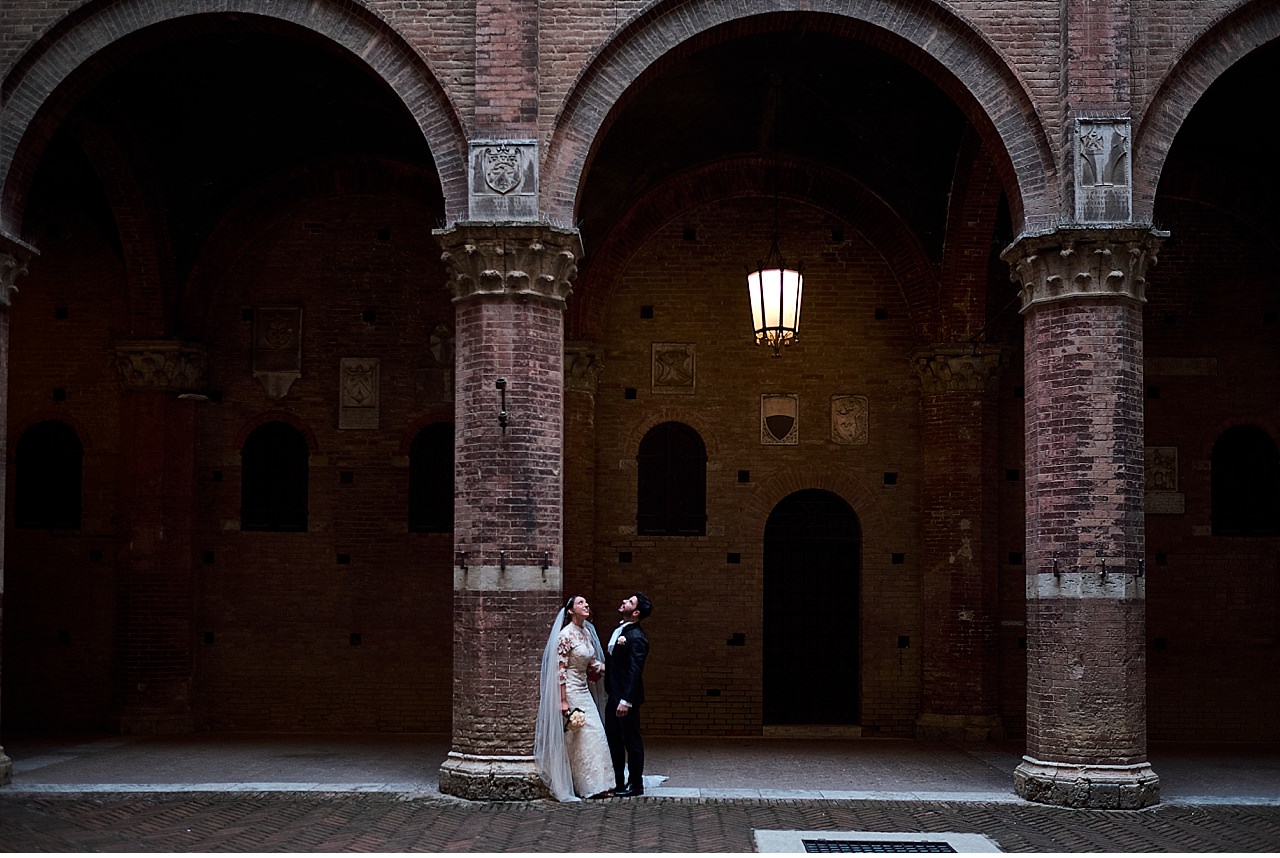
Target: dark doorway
pixel 812 571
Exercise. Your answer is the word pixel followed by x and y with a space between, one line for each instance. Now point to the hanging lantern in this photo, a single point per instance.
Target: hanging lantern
pixel 775 291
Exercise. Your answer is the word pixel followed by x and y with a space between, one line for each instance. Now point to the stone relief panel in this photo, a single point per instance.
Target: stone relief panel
pixel 850 423
pixel 358 393
pixel 1104 189
pixel 163 365
pixel 780 419
pixel 1162 495
pixel 674 368
pixel 582 368
pixel 503 180
pixel 277 348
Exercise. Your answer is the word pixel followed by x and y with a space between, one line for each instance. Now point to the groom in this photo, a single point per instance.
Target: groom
pixel 624 680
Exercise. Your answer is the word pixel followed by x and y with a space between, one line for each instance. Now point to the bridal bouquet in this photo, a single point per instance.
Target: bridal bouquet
pixel 574 719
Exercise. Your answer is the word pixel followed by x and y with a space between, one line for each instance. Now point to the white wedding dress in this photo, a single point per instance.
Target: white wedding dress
pixel 572 763
pixel 587 748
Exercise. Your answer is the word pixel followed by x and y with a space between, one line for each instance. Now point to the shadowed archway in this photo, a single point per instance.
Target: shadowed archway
pixel 812 583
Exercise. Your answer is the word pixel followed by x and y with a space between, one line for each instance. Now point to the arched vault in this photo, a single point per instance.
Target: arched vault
pixel 46 83
pixel 940 45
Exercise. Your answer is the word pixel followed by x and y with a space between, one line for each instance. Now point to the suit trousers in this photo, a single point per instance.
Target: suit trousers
pixel 625 745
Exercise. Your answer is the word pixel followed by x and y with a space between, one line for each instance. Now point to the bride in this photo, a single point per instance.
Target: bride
pixel 569 743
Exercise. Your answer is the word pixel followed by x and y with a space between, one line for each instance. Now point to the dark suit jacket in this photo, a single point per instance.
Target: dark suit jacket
pixel 624 667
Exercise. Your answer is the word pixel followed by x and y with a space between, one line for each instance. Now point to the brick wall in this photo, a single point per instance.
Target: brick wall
pixel 60 672
pixel 1212 609
pixel 347 626
pixel 697 293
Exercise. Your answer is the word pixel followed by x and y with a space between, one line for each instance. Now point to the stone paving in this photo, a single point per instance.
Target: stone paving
pixel 381 822
pixel 214 793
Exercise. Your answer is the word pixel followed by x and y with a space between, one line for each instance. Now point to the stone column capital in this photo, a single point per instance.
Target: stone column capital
pixel 531 259
pixel 161 365
pixel 14 256
pixel 1083 262
pixel 582 367
pixel 958 368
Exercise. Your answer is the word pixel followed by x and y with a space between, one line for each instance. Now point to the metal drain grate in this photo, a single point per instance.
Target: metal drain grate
pixel 876 846
pixel 883 842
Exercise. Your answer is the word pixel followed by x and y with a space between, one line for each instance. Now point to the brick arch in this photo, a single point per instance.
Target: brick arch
pixel 1211 435
pixel 246 430
pixel 1221 46
pixel 926 36
pixel 432 417
pixel 791 179
pixel 770 491
pixel 272 199
pixel 83 432
pixel 687 416
pixel 47 82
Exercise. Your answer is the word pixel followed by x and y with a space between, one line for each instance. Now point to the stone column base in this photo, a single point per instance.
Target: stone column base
pixel 1096 787
pixel 485 778
pixel 932 727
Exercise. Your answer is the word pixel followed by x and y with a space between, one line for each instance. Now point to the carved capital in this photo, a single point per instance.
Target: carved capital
pixel 959 368
pixel 162 365
pixel 14 256
pixel 1083 263
pixel 582 367
pixel 510 259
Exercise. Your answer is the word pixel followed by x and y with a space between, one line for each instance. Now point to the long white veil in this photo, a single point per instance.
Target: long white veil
pixel 597 688
pixel 548 736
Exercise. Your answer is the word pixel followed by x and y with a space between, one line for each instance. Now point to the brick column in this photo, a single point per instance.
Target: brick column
pixel 1082 292
pixel 510 282
pixel 14 256
pixel 154 659
pixel 582 378
pixel 959 670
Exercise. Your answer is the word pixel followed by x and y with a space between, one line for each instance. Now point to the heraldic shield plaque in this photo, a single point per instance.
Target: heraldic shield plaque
pixel 780 419
pixel 503 180
pixel 849 419
pixel 358 395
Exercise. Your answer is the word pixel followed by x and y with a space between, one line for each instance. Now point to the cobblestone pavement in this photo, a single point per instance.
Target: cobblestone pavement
pixel 384 822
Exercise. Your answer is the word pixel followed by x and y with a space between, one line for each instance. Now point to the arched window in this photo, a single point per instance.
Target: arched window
pixel 273 482
pixel 1246 483
pixel 47 477
pixel 672 487
pixel 431 480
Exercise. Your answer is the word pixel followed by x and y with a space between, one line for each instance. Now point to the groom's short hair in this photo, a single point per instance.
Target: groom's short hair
pixel 643 605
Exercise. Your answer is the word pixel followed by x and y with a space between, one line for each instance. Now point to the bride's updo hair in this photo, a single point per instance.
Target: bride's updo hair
pixel 568 606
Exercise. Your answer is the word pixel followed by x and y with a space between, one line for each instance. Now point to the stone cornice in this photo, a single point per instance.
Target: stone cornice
pixel 161 365
pixel 958 368
pixel 535 259
pixel 1083 262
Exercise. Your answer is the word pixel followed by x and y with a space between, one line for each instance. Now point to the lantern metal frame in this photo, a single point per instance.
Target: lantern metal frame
pixel 776 293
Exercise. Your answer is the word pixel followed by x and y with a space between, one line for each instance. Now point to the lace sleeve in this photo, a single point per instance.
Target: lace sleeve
pixel 563 647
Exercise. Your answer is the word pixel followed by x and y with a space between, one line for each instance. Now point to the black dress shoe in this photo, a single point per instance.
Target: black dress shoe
pixel 628 791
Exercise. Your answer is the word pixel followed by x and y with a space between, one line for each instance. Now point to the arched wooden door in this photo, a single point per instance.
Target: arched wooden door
pixel 812 571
